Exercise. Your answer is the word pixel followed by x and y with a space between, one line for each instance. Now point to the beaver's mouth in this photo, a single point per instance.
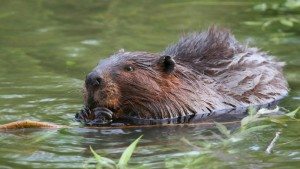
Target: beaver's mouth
pixel 98 110
pixel 101 99
pixel 92 104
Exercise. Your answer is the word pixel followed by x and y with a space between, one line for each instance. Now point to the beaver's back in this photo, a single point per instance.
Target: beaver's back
pixel 241 76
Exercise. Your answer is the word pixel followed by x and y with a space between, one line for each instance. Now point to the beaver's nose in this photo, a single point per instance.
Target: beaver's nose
pixel 93 79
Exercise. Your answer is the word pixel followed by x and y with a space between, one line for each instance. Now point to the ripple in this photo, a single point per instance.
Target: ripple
pixel 7 110
pixel 90 42
pixel 254 148
pixel 296 98
pixel 43 100
pixel 13 96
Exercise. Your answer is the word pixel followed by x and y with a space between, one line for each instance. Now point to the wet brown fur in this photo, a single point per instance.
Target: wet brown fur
pixel 212 72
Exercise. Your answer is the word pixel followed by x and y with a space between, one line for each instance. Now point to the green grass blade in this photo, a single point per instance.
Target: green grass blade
pixel 252 111
pixel 103 162
pixel 293 113
pixel 245 133
pixel 223 129
pixel 127 154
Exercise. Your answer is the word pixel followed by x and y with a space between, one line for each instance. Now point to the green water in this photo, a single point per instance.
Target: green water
pixel 47 48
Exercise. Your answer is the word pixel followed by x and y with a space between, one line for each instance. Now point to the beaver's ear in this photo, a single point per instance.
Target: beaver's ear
pixel 168 63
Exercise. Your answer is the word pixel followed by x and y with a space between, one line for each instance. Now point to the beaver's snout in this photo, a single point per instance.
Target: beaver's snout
pixel 93 79
pixel 100 91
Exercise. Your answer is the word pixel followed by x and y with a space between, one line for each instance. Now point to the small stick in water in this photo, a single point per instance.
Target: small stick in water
pixel 28 124
pixel 272 144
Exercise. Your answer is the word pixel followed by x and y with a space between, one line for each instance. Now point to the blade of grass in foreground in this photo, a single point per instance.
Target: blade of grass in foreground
pixel 223 129
pixel 102 161
pixel 293 114
pixel 127 154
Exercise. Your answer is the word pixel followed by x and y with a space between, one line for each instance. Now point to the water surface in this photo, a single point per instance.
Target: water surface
pixel 47 48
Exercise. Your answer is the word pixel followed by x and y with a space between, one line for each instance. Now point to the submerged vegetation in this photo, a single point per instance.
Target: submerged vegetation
pixel 257 122
pixel 211 151
pixel 284 15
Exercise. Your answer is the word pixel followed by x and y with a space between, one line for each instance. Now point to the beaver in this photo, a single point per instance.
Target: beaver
pixel 204 74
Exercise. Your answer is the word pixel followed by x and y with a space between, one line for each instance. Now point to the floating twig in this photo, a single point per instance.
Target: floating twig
pixel 35 124
pixel 272 144
pixel 28 124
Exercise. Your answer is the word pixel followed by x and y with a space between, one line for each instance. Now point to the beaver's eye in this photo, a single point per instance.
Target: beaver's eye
pixel 129 68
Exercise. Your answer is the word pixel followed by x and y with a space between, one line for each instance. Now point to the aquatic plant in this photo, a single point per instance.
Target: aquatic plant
pixel 278 15
pixel 222 152
pixel 103 162
pixel 224 147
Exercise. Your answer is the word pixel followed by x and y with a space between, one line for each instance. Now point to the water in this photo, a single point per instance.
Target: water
pixel 47 48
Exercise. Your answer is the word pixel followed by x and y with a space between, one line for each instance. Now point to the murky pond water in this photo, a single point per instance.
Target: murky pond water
pixel 47 48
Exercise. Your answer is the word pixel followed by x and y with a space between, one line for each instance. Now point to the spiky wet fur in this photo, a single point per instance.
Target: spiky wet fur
pixel 212 72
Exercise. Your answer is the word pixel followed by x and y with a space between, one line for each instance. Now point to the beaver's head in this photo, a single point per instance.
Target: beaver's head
pixel 135 84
